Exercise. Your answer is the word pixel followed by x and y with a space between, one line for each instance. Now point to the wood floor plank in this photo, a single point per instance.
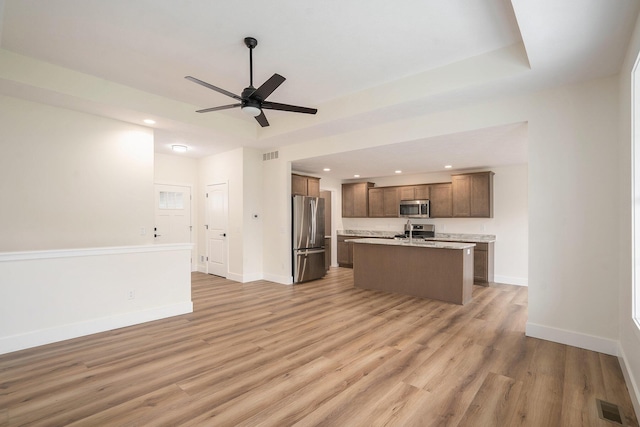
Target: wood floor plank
pixel 257 399
pixel 318 353
pixel 495 402
pixel 297 405
pixel 346 408
pixel 140 410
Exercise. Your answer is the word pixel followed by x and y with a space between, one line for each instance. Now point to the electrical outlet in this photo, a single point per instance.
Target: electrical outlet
pixel 131 294
pixel 143 231
pixel 201 258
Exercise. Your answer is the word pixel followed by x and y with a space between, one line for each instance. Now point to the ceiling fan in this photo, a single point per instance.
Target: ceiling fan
pixel 252 100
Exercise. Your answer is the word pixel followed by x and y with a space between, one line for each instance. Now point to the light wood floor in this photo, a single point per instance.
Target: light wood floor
pixel 320 353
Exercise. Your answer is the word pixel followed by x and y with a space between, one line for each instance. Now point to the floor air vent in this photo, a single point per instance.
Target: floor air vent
pixel 609 412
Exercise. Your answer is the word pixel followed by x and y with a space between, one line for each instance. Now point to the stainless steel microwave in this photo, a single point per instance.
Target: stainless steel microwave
pixel 414 208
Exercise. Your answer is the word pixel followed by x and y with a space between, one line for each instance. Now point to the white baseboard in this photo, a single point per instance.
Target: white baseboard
pixel 576 339
pixel 507 280
pixel 283 280
pixel 47 336
pixel 632 385
pixel 244 278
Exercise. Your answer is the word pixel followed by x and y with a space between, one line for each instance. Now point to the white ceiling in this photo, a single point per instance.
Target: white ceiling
pixel 361 63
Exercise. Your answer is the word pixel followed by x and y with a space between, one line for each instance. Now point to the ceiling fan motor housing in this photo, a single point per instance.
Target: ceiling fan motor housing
pixel 251 103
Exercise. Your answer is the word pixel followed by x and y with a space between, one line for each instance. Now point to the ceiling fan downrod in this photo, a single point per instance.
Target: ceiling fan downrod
pixel 250 42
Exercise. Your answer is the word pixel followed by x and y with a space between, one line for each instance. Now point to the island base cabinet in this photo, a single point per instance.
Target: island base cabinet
pixel 442 274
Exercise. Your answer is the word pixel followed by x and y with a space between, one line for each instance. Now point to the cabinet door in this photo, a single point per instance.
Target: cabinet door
pixel 298 185
pixel 313 187
pixel 390 202
pixel 347 200
pixel 407 192
pixel 421 192
pixel 345 252
pixel 461 186
pixel 480 266
pixel 481 197
pixel 361 199
pixel 440 200
pixel 376 202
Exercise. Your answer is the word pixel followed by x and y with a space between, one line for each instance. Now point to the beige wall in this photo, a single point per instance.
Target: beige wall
pixel 71 180
pixel 628 243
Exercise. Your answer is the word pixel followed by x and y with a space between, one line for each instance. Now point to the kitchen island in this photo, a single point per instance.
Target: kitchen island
pixel 427 269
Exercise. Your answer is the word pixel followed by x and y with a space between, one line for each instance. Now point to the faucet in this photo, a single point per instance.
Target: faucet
pixel 410 227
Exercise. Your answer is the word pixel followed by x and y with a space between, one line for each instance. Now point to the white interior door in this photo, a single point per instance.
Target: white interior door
pixel 216 229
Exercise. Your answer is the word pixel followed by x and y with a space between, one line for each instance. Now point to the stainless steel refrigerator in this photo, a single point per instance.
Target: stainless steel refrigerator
pixel 308 238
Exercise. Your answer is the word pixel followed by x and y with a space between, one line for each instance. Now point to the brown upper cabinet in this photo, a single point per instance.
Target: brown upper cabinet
pixel 473 195
pixel 441 200
pixel 355 199
pixel 384 202
pixel 302 185
pixel 413 192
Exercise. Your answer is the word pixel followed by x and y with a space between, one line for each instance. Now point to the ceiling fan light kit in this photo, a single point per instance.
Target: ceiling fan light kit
pixel 252 100
pixel 252 111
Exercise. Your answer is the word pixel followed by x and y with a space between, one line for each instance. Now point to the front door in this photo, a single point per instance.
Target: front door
pixel 216 229
pixel 172 214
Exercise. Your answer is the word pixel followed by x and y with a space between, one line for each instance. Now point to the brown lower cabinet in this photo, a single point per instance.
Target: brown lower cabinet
pixel 483 263
pixel 482 259
pixel 345 252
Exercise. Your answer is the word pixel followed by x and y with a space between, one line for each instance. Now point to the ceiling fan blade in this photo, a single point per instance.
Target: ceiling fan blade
pixel 222 107
pixel 267 87
pixel 286 107
pixel 262 119
pixel 212 87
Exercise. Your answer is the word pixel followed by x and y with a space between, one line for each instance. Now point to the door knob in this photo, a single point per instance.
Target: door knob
pixel 157 235
pixel 223 234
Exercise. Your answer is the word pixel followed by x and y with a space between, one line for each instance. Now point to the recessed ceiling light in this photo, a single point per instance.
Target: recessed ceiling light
pixel 179 148
pixel 326 169
pixel 356 176
pixel 398 171
pixel 149 121
pixel 448 167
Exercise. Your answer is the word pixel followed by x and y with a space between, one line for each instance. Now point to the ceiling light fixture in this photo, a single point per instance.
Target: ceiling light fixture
pixel 356 176
pixel 398 171
pixel 251 110
pixel 448 166
pixel 149 121
pixel 326 170
pixel 179 148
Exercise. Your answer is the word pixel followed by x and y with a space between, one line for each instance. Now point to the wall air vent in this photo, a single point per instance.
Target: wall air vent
pixel 269 156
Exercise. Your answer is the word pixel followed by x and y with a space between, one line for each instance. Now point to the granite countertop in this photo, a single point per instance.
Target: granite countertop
pixel 418 243
pixel 450 237
pixel 369 233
